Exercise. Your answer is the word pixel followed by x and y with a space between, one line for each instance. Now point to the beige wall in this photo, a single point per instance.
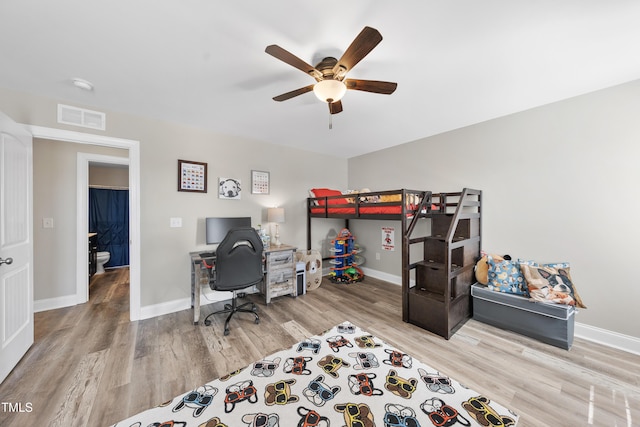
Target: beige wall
pixel 560 183
pixel 54 196
pixel 165 272
pixel 109 176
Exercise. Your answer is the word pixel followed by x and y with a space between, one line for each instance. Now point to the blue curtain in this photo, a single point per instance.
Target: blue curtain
pixel 109 217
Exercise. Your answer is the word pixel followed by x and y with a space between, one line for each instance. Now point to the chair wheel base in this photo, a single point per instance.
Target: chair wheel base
pixel 233 308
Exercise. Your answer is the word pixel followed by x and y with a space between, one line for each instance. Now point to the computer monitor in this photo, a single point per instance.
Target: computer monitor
pixel 217 227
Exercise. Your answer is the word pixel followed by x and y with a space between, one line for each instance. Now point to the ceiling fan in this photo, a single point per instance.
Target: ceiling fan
pixel 330 73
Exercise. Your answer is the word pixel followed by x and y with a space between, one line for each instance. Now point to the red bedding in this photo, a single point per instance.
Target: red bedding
pixel 364 210
pixel 367 210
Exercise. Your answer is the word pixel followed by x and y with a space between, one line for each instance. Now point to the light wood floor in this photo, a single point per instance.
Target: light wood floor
pixel 90 366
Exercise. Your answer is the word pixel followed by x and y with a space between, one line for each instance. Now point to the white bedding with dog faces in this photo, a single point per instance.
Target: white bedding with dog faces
pixel 344 377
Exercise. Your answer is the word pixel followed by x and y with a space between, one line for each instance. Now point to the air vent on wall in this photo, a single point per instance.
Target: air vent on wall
pixel 81 117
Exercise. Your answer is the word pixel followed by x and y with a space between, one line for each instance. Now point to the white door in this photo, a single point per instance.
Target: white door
pixel 16 244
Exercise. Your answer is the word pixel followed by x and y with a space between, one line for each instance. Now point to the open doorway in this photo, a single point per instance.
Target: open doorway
pixel 82 243
pixel 108 213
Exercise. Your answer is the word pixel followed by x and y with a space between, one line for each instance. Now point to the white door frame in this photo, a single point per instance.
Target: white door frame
pixel 82 244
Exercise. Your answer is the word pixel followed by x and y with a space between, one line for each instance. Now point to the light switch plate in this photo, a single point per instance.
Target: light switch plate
pixel 175 222
pixel 47 222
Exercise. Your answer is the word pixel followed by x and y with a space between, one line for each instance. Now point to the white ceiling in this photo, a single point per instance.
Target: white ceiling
pixel 202 62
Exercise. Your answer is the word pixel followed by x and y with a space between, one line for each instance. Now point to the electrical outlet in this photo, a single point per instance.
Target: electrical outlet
pixel 175 222
pixel 378 256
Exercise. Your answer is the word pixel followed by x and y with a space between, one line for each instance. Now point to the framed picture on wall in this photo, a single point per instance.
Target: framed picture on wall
pixel 229 188
pixel 192 176
pixel 259 182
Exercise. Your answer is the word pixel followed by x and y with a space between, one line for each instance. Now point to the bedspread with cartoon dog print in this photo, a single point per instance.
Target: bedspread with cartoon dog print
pixel 345 377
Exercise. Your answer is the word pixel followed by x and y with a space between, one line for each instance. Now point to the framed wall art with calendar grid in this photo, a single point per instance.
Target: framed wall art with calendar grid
pixel 192 176
pixel 259 182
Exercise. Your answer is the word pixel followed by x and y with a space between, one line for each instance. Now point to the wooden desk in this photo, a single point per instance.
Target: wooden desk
pixel 280 276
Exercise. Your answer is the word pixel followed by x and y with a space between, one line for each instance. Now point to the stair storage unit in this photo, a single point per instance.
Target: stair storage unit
pixel 440 301
pixel 440 246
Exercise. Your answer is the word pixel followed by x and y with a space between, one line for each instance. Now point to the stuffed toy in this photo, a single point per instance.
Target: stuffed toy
pixel 362 199
pixel 482 268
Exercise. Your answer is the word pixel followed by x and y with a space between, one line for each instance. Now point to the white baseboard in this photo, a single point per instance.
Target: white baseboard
pixel 54 303
pixel 155 310
pixel 591 333
pixel 207 296
pixel 380 275
pixel 608 338
pixel 391 278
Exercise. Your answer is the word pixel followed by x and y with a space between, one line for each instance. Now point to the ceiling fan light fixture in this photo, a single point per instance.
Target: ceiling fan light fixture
pixel 329 90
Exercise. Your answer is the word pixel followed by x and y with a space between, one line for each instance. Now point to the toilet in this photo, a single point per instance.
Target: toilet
pixel 102 259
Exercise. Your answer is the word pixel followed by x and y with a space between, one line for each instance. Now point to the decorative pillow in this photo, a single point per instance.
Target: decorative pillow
pixel 390 197
pixel 504 275
pixel 551 283
pixel 552 265
pixel 325 192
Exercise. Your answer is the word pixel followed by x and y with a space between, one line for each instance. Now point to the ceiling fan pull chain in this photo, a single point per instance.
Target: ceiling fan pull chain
pixel 330 121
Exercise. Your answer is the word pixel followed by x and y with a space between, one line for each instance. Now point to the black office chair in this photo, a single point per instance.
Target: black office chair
pixel 238 265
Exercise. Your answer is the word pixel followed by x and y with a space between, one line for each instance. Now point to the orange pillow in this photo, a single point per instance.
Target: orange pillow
pixel 390 197
pixel 326 192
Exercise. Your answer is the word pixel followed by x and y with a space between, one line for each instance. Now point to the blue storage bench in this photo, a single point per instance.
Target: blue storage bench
pixel 546 322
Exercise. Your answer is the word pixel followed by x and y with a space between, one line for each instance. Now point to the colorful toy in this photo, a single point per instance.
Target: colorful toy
pixel 344 265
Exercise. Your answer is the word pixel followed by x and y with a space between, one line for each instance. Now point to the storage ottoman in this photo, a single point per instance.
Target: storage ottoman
pixel 546 322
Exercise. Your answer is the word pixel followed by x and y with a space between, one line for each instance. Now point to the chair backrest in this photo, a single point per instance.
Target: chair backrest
pixel 238 260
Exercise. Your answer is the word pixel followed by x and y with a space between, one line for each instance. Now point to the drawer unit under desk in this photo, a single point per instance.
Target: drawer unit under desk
pixel 280 276
pixel 282 282
pixel 280 259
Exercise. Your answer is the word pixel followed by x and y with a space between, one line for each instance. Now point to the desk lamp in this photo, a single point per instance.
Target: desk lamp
pixel 276 215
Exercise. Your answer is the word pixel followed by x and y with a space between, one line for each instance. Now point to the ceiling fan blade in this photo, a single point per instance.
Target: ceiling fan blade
pixel 386 88
pixel 288 57
pixel 335 107
pixel 358 49
pixel 293 93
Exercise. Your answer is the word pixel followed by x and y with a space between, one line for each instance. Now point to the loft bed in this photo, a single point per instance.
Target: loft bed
pixel 455 235
pixel 406 206
pixel 389 205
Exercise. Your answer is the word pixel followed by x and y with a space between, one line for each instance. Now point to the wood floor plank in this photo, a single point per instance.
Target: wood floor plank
pixel 90 366
pixel 82 393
